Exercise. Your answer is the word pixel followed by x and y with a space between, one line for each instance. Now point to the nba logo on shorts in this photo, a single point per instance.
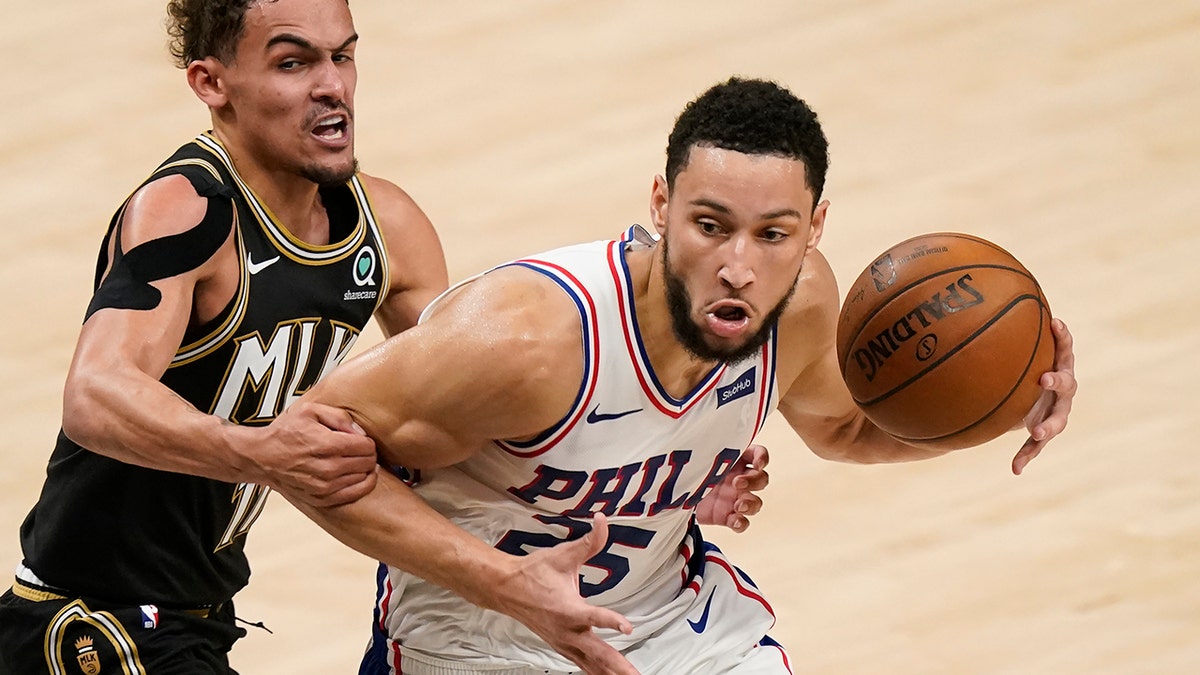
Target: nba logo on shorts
pixel 149 616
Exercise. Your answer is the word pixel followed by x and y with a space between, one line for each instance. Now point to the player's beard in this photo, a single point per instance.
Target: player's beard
pixel 691 335
pixel 327 176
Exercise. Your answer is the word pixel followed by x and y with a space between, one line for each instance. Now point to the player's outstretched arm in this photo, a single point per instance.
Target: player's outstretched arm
pixel 541 590
pixel 813 396
pixel 1048 418
pixel 175 259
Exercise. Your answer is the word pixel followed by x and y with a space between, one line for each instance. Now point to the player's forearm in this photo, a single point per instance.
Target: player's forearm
pixel 857 440
pixel 137 420
pixel 394 525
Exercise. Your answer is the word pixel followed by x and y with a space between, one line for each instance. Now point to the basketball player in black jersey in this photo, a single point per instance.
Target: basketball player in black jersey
pixel 237 275
pixel 241 271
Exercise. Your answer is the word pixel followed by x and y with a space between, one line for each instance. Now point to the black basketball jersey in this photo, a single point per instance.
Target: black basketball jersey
pixel 124 533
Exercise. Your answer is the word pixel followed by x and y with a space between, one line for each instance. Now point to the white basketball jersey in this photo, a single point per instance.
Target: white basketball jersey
pixel 626 448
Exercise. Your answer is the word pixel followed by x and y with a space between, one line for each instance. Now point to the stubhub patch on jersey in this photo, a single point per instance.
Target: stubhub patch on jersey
pixel 743 386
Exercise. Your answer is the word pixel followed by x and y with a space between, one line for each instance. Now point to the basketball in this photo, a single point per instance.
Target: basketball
pixel 942 339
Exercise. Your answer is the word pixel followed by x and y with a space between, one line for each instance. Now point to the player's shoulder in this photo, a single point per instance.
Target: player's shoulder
pixel 808 327
pixel 380 187
pixel 389 201
pixel 397 213
pixel 816 290
pixel 515 307
pixel 164 206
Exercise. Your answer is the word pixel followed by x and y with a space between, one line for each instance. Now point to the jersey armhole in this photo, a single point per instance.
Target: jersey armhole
pixel 586 307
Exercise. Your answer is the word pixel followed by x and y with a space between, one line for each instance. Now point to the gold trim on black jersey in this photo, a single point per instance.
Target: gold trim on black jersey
pixel 280 236
pixel 205 345
pixel 368 214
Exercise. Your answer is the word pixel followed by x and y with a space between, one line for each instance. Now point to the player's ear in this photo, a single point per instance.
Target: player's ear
pixel 206 78
pixel 660 195
pixel 818 226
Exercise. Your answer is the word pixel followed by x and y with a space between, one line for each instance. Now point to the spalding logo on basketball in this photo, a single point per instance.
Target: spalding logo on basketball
pixel 942 340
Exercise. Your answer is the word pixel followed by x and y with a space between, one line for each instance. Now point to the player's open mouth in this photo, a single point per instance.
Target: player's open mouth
pixel 728 320
pixel 332 129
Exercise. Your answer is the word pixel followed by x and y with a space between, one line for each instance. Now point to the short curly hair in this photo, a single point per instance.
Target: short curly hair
pixel 202 28
pixel 751 116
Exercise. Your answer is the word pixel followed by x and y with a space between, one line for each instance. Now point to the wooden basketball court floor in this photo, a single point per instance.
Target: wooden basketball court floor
pixel 1065 130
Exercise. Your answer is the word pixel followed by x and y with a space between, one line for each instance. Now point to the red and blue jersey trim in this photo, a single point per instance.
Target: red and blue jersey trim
pixel 650 383
pixel 766 384
pixel 591 358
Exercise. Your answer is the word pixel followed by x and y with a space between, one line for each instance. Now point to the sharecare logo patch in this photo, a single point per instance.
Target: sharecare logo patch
pixel 744 386
pixel 364 267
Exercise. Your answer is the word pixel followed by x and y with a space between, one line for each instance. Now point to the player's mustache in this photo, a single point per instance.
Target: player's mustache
pixel 322 110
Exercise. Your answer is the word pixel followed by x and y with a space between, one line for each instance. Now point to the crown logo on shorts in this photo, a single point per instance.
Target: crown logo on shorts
pixel 88 658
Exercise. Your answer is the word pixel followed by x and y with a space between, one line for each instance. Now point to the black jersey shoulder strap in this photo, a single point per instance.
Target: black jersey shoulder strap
pixel 127 284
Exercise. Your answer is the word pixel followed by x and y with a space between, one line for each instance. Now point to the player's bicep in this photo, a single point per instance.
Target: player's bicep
pixel 167 232
pixel 818 407
pixel 491 364
pixel 165 245
pixel 145 340
pixel 417 395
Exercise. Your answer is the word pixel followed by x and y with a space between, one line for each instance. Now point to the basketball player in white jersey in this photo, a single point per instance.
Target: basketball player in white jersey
pixel 599 391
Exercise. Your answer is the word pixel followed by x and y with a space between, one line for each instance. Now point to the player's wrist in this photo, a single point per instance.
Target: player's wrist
pixel 241 453
pixel 490 579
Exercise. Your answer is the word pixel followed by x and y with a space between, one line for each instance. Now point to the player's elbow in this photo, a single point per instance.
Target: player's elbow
pixel 81 418
pixel 826 440
pixel 837 449
pixel 842 440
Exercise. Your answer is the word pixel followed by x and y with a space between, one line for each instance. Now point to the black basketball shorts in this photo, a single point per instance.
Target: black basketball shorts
pixel 45 632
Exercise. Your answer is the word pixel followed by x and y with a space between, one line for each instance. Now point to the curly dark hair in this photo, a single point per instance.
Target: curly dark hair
pixel 203 28
pixel 752 116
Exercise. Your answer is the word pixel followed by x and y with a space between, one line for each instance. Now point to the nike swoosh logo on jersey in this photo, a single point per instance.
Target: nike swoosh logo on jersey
pixel 254 268
pixel 700 625
pixel 594 416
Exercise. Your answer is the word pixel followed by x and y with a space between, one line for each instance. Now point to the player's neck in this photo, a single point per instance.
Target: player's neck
pixel 677 369
pixel 292 200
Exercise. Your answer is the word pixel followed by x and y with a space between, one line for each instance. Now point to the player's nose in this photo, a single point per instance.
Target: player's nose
pixel 737 268
pixel 330 83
